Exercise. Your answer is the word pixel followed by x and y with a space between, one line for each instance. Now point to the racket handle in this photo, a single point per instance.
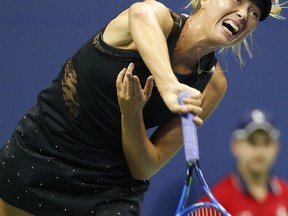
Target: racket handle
pixel 189 131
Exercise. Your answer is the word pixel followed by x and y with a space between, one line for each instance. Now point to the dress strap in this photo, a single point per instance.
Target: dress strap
pixel 179 21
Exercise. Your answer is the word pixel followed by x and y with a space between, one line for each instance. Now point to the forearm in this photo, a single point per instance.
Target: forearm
pixel 150 41
pixel 141 155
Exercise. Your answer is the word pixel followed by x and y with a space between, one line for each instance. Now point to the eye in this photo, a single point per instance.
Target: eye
pixel 255 14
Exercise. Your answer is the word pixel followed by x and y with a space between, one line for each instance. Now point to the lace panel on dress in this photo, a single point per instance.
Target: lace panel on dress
pixel 69 90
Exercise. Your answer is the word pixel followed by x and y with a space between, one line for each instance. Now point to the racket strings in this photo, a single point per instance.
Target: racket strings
pixel 205 211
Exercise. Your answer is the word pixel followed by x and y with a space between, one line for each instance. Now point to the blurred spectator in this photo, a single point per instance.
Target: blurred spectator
pixel 252 189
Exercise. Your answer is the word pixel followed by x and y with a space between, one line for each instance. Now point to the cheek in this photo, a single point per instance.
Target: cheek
pixel 223 9
pixel 244 154
pixel 222 6
pixel 272 154
pixel 250 27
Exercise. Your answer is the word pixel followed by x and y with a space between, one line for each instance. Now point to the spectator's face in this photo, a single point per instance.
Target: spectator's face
pixel 255 154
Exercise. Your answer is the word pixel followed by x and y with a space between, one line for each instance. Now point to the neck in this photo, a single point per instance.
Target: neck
pixel 191 46
pixel 196 28
pixel 256 183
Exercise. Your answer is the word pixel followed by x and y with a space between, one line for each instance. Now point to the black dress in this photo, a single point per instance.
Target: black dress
pixel 65 157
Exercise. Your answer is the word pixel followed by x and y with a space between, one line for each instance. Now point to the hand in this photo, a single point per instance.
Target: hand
pixel 193 104
pixel 131 96
pixel 193 101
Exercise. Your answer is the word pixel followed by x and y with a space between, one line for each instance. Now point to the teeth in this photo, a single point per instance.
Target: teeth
pixel 231 26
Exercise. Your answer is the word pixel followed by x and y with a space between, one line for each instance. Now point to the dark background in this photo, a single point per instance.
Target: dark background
pixel 36 37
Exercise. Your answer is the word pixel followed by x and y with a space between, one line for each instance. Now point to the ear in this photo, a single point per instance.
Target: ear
pixel 277 146
pixel 233 148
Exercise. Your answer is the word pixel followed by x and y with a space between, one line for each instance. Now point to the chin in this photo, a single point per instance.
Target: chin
pixel 259 170
pixel 228 42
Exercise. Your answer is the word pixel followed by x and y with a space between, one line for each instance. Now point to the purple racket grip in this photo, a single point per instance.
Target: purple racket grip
pixel 189 131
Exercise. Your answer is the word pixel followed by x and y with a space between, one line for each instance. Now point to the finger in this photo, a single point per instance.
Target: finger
pixel 194 94
pixel 192 101
pixel 148 86
pixel 130 89
pixel 119 79
pixel 130 68
pixel 128 84
pixel 196 110
pixel 198 121
pixel 180 109
pixel 121 75
pixel 137 86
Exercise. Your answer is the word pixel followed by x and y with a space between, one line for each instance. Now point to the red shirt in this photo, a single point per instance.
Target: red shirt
pixel 231 193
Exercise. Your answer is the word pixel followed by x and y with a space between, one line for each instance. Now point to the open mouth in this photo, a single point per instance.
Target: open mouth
pixel 231 26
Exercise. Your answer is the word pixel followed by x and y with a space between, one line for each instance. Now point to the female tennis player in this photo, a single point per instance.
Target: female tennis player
pixel 72 155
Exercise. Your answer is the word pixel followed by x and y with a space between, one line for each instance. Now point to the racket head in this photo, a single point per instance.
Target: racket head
pixel 203 209
pixel 214 207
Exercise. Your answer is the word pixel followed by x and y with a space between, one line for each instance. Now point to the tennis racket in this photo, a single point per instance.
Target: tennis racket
pixel 213 208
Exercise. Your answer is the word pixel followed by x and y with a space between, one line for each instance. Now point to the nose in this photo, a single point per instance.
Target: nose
pixel 242 14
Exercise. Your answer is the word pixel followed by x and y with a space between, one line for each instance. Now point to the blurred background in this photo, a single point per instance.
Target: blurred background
pixel 37 36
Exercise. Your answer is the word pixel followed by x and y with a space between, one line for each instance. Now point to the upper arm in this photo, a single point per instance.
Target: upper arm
pixel 214 92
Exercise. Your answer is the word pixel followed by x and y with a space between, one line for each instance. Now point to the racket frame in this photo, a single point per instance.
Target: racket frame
pixel 182 210
pixel 191 149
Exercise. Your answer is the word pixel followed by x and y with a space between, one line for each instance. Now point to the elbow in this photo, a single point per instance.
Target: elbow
pixel 140 173
pixel 140 176
pixel 140 12
pixel 143 170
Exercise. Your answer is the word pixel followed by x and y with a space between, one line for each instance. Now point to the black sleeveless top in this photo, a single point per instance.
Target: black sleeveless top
pixel 55 164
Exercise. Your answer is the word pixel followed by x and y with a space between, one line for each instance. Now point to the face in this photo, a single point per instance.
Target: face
pixel 256 154
pixel 232 21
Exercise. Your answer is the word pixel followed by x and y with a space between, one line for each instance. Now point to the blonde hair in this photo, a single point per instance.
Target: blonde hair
pixel 237 48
